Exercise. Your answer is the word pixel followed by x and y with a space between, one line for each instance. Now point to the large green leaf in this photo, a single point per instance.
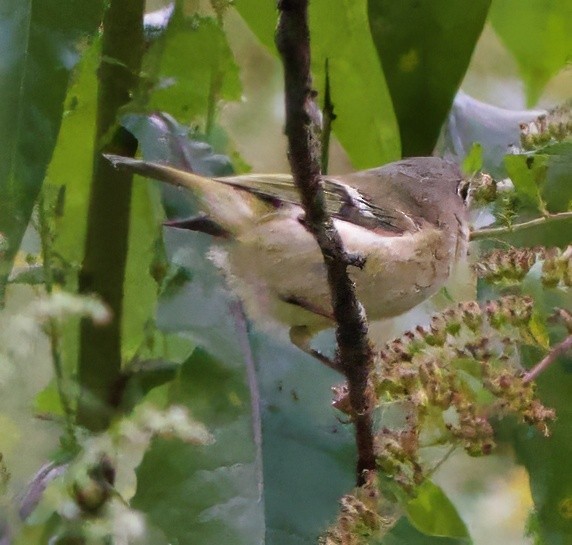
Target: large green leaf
pixel 71 165
pixel 213 493
pixel 38 39
pixel 280 439
pixel 365 123
pixel 539 35
pixel 308 454
pixel 425 47
pixel 209 494
pixel 140 290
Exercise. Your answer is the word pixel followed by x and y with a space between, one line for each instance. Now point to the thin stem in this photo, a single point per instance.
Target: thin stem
pixel 559 350
pixel 53 329
pixel 241 327
pixel 329 117
pixel 302 121
pixel 439 463
pixel 496 231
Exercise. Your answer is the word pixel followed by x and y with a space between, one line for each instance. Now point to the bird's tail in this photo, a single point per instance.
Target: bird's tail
pixel 223 204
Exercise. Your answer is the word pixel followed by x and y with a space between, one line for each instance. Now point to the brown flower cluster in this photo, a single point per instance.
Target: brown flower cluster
pixel 451 377
pixel 364 516
pixel 557 268
pixel 482 189
pixel 547 128
pixel 511 266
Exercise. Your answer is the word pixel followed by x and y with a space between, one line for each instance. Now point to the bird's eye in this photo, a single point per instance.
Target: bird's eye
pixel 463 189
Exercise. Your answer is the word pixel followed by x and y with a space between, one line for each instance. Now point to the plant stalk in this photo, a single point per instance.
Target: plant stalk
pixel 106 244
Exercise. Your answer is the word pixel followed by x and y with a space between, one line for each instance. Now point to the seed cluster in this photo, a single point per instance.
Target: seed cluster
pixel 452 377
pixel 547 128
pixel 511 266
pixel 364 517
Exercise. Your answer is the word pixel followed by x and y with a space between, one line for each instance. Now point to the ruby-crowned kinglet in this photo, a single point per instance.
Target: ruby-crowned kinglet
pixel 407 220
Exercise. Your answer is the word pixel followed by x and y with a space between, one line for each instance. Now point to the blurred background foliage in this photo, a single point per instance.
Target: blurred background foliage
pixel 406 78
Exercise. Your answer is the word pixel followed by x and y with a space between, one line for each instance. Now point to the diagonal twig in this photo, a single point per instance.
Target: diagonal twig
pixel 559 350
pixel 498 231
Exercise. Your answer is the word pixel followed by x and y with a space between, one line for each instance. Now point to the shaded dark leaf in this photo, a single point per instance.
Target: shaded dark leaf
pixel 415 41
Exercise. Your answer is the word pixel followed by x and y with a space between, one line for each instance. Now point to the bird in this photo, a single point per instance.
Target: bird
pixel 407 220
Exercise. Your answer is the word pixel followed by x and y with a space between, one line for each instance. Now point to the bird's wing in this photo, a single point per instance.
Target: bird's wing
pixel 342 201
pixel 350 204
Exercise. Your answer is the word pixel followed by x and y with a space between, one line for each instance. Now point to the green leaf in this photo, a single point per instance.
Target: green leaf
pixel 261 17
pixel 76 141
pixel 538 330
pixel 528 174
pixel 365 124
pixel 71 167
pixel 48 401
pixel 186 64
pixel 539 35
pixel 473 162
pixel 308 454
pixel 39 51
pixel 404 533
pixel 557 191
pixel 425 48
pixel 432 513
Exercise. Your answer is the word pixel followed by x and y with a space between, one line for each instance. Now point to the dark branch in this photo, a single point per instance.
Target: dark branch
pixel 354 350
pixel 329 118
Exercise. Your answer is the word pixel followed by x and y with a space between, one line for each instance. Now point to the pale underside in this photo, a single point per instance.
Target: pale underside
pixel 281 275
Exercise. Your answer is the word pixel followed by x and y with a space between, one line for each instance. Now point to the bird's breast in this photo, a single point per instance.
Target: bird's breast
pixel 280 261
